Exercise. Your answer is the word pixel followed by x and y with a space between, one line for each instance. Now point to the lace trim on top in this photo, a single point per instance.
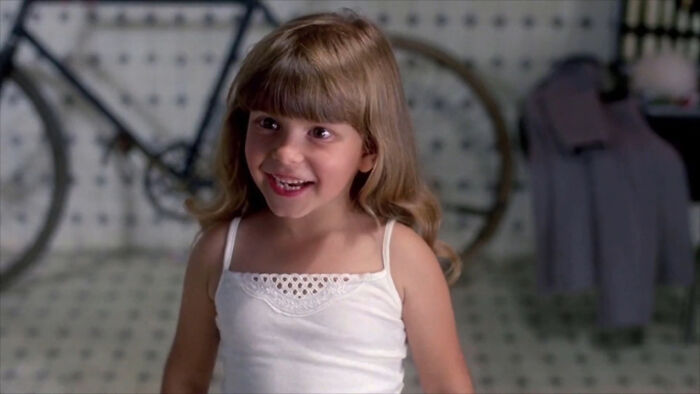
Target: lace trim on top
pixel 297 294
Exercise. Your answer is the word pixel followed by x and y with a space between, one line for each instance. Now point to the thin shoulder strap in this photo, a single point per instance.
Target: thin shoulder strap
pixel 387 241
pixel 230 241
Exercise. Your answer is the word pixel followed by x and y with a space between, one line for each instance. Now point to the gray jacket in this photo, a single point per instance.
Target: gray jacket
pixel 610 197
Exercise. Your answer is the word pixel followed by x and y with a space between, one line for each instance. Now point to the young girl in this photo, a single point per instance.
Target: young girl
pixel 317 261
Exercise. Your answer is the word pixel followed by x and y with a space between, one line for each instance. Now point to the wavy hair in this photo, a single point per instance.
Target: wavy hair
pixel 329 67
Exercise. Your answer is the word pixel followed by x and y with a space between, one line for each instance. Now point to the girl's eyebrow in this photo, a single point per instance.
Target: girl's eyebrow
pixel 329 125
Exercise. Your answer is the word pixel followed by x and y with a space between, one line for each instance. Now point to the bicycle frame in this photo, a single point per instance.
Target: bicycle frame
pixel 125 138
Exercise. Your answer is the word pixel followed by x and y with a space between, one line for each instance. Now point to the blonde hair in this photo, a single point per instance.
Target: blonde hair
pixel 329 67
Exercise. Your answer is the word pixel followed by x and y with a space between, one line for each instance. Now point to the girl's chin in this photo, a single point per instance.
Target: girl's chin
pixel 286 213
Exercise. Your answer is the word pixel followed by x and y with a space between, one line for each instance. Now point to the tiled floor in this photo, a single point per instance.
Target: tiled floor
pixel 103 322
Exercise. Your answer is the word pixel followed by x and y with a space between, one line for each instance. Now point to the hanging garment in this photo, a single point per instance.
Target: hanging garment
pixel 610 197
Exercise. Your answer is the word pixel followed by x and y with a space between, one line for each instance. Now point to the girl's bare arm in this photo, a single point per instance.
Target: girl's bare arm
pixel 191 361
pixel 428 316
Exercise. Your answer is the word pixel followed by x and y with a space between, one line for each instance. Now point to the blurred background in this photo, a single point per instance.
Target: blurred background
pixel 96 310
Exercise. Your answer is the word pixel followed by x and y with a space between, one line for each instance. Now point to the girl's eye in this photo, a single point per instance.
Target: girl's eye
pixel 268 123
pixel 320 132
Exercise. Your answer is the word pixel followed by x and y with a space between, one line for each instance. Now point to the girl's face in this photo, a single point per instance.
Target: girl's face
pixel 301 166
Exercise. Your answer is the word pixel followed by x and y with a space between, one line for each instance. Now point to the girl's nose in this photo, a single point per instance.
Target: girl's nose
pixel 288 150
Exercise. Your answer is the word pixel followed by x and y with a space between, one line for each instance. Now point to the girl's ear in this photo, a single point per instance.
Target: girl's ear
pixel 367 162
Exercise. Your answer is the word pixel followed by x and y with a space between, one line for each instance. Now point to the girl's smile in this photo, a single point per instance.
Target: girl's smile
pixel 287 187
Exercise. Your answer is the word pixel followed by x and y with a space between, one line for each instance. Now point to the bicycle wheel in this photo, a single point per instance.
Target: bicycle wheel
pixel 462 142
pixel 33 175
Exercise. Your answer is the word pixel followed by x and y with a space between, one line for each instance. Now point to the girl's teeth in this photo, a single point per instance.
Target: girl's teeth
pixel 290 182
pixel 296 185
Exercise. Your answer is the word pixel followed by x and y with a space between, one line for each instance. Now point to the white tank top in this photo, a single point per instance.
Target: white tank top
pixel 310 333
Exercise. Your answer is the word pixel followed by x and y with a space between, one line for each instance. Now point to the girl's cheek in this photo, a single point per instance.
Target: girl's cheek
pixel 249 153
pixel 250 143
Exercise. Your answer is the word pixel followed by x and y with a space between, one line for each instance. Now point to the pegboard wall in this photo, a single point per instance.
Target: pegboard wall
pixel 154 64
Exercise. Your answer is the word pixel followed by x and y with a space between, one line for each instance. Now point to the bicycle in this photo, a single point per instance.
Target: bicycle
pixel 177 168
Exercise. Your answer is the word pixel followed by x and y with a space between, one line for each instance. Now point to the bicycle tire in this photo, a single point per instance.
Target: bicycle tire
pixel 29 254
pixel 494 212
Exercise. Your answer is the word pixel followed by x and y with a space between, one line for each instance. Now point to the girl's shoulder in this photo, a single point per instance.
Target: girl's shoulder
pixel 406 242
pixel 410 257
pixel 207 256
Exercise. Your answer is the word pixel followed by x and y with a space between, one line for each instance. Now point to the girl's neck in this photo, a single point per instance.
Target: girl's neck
pixel 314 225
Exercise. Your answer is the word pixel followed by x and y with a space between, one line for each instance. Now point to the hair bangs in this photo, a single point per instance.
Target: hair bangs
pixel 295 87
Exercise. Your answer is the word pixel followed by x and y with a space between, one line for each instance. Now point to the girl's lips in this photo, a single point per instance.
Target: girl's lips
pixel 285 192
